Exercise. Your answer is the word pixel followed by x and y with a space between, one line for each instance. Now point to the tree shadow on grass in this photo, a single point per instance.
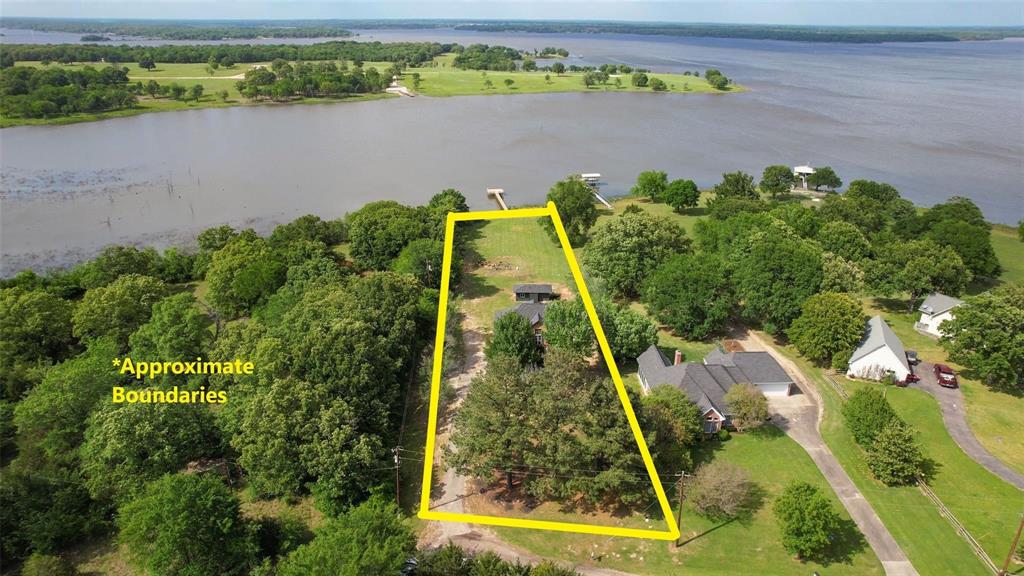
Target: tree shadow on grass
pixel 847 543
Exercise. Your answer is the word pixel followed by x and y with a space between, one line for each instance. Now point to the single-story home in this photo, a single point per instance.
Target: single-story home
pixel 706 383
pixel 532 301
pixel 534 292
pixel 880 353
pixel 936 309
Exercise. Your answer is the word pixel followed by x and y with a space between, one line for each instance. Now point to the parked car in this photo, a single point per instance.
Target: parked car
pixel 908 380
pixel 912 358
pixel 945 376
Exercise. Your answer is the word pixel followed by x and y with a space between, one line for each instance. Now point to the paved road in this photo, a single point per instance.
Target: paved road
pixel 799 417
pixel 954 415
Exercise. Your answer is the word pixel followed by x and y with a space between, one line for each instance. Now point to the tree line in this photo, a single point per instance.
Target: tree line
pixel 413 53
pixel 185 30
pixel 320 79
pixel 335 341
pixel 44 92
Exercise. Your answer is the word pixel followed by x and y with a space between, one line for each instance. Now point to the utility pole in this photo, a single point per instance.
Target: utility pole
pixel 682 475
pixel 398 473
pixel 1013 547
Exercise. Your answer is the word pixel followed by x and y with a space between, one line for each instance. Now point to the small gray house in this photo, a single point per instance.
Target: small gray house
pixel 534 292
pixel 707 382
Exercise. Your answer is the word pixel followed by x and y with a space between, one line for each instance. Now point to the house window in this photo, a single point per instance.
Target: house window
pixel 539 336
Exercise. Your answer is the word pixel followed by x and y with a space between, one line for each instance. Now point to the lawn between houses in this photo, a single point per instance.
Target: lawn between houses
pixel 772 459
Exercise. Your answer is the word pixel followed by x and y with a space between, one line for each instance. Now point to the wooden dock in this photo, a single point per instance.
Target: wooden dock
pixel 499 195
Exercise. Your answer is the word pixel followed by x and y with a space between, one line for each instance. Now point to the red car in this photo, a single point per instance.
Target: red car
pixel 945 375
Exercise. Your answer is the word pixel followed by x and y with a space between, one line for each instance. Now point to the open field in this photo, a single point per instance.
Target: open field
pixel 773 461
pixel 1010 251
pixel 445 80
pixel 928 540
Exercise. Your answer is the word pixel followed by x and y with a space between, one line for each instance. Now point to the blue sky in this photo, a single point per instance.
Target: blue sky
pixel 825 12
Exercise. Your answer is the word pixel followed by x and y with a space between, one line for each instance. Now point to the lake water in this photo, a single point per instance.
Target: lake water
pixel 936 120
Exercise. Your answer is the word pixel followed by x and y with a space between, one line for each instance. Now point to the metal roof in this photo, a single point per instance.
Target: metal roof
pixel 533 288
pixel 938 303
pixel 878 335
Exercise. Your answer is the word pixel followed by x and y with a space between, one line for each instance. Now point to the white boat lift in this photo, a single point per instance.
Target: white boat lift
pixel 594 180
pixel 499 195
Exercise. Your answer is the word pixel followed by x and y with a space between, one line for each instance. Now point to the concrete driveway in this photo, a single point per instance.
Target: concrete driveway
pixel 799 416
pixel 954 416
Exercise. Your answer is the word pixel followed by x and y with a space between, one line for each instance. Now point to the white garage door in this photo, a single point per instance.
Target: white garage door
pixel 781 389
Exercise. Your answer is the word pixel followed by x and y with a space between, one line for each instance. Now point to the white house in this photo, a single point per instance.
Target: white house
pixel 879 354
pixel 802 172
pixel 936 309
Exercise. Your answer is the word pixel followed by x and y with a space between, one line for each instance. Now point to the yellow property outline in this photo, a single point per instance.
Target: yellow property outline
pixel 435 387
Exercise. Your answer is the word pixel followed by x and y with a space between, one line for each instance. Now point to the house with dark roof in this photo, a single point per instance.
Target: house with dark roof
pixel 532 301
pixel 936 309
pixel 707 382
pixel 534 292
pixel 879 354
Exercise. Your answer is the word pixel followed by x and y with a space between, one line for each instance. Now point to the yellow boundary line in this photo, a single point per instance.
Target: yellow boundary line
pixel 435 388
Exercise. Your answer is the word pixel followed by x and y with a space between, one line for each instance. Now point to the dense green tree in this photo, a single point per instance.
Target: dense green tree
pixel 736 185
pixel 629 332
pixel 423 259
pixel 146 62
pixel 129 444
pixel 243 274
pixel 957 208
pixel 867 413
pixel 116 261
pixel 774 276
pixel 513 337
pixel 840 275
pixel 749 406
pixel 867 214
pixel 971 242
pixel 639 79
pixel 176 266
pixel 803 220
pixel 681 194
pixel 844 240
pixel 691 294
pixel 185 524
pixel 558 68
pixel 776 180
pixel 177 329
pixel 492 429
pixel 895 458
pixel 918 267
pixel 721 491
pixel 878 191
pixel 574 200
pixel 658 85
pixel 379 230
pixel 651 183
pixel 725 207
pixel 828 324
pixel 445 201
pixel 118 309
pixel 304 228
pixel 673 425
pixel 624 251
pixel 35 330
pixel 807 519
pixel 371 538
pixel 987 335
pixel 51 419
pixel 824 176
pixel 567 326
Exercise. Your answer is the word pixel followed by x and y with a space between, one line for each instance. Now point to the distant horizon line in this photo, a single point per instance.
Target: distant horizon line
pixel 518 20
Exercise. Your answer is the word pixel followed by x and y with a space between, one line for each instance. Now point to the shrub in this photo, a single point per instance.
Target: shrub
pixel 866 414
pixel 721 490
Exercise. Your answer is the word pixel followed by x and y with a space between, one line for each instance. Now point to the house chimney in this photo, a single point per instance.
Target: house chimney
pixel 679 358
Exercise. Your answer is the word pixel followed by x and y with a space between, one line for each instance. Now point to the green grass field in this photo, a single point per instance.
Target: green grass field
pixel 1010 252
pixel 503 253
pixel 445 80
pixel 712 548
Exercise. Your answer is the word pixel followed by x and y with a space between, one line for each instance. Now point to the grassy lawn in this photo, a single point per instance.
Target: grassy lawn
pixel 503 253
pixel 929 541
pixel 686 220
pixel 773 460
pixel 1010 251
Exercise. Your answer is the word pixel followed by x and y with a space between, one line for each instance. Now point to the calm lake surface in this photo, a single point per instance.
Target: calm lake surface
pixel 934 119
